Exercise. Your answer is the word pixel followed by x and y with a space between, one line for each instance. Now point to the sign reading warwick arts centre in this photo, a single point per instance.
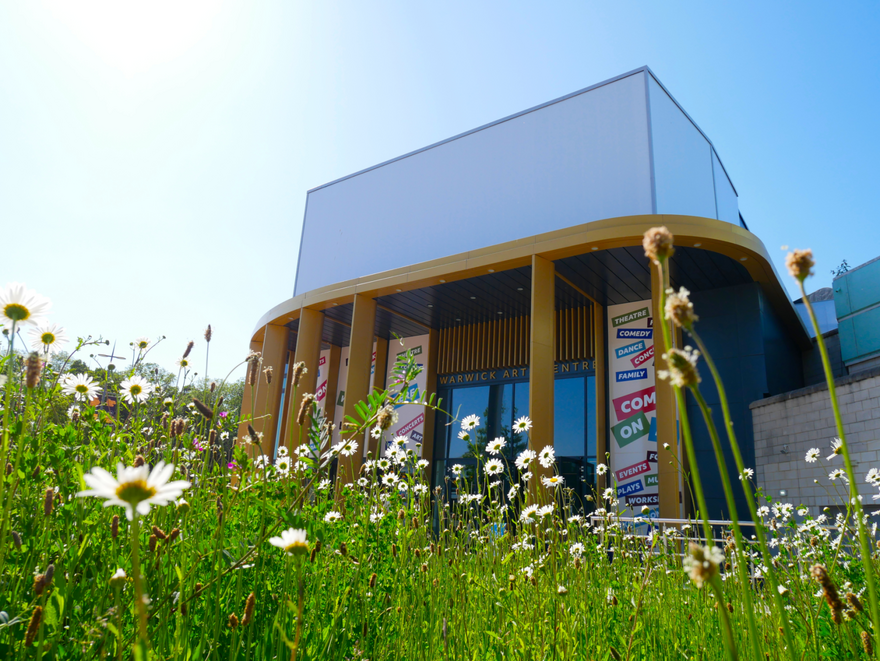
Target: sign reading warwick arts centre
pixel 633 441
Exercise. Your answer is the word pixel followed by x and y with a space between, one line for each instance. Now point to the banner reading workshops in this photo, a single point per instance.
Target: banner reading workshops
pixel 633 438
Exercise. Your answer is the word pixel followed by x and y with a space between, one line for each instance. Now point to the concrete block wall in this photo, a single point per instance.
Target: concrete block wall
pixel 787 426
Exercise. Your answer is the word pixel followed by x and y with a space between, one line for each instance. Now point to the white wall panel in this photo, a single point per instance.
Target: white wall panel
pixel 682 159
pixel 577 160
pixel 725 195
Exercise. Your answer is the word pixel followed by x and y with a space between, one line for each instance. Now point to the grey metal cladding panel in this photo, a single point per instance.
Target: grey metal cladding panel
pixel 682 159
pixel 581 159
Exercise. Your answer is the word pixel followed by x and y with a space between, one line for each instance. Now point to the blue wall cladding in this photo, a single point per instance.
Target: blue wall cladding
pixel 756 358
pixel 857 303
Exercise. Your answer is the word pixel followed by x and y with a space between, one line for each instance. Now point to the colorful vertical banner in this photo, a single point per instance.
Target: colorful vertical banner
pixel 410 417
pixel 633 440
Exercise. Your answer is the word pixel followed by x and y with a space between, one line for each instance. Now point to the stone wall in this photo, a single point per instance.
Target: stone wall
pixel 787 425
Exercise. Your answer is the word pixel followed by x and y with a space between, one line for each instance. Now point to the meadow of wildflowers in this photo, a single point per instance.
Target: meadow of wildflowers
pixel 135 522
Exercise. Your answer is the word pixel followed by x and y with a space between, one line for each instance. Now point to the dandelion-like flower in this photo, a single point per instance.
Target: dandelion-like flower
pixel 292 541
pixel 494 466
pixel 48 338
pixel 20 305
pixel 525 458
pixel 470 422
pixel 522 424
pixel 547 456
pixel 679 308
pixel 135 389
pixel 812 455
pixel 702 563
pixel 81 386
pixel 135 488
pixel 682 365
pixel 494 447
pixel 601 469
pixel 552 481
pixel 836 449
pixel 332 517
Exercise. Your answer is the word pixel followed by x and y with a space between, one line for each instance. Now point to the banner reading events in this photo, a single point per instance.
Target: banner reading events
pixel 633 439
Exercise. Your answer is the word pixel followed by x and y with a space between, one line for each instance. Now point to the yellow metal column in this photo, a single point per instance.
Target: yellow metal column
pixel 263 400
pixel 430 388
pixel 357 381
pixel 667 468
pixel 542 353
pixel 601 384
pixel 308 351
pixel 247 399
pixel 379 378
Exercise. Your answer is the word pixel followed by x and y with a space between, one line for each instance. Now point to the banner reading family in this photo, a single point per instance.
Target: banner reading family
pixel 633 441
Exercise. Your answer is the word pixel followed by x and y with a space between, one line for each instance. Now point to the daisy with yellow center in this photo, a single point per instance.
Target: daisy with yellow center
pixel 135 488
pixel 20 305
pixel 141 343
pixel 135 389
pixel 81 386
pixel 48 338
pixel 292 541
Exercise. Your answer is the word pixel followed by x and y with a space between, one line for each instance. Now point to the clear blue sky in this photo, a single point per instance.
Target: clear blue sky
pixel 155 156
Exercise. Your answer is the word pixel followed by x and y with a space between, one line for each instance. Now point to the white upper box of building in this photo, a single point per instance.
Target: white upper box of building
pixel 623 147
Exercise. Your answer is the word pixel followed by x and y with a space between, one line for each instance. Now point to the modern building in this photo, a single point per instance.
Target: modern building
pixel 509 259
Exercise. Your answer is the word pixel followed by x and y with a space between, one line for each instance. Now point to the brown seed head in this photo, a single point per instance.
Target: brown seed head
pixel 189 347
pixel 212 437
pixel 174 534
pixel 304 408
pixel 298 370
pixel 829 591
pixel 206 412
pixel 424 568
pixel 799 263
pixel 252 434
pixel 139 461
pixel 9 468
pixel 249 606
pixel 33 626
pixel 114 526
pixel 394 550
pixel 48 499
pixel 32 374
pixel 208 333
pixel 385 417
pixel 343 549
pixel 16 539
pixel 679 309
pixel 658 244
pixel 373 578
pixel 213 386
pixel 866 644
pixel 233 621
pixel 153 541
pixel 854 602
pixel 158 532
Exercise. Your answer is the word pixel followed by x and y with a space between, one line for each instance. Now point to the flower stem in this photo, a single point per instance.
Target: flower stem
pixel 142 645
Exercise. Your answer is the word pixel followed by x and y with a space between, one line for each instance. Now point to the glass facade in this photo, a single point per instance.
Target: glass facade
pixel 497 406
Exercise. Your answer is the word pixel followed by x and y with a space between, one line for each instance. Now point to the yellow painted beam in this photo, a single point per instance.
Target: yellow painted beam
pixel 430 388
pixel 667 427
pixel 357 382
pixel 542 353
pixel 332 382
pixel 308 351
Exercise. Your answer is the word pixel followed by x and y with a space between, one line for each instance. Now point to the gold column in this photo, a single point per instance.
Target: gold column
pixel 667 470
pixel 598 317
pixel 308 351
pixel 247 400
pixel 262 401
pixel 542 351
pixel 332 382
pixel 357 381
pixel 430 388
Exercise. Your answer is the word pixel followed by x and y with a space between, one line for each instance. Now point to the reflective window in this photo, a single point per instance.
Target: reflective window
pixel 569 420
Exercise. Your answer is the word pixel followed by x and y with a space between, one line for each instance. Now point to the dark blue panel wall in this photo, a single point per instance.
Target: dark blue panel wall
pixel 755 358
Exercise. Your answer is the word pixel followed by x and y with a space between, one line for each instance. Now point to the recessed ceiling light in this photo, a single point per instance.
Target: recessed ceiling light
pixel 442 280
pixel 430 306
pixel 473 298
pixel 742 259
pixel 491 270
pixel 458 319
pixel 697 245
pixel 399 290
pixel 519 288
pixel 594 248
pixel 335 304
pixel 500 312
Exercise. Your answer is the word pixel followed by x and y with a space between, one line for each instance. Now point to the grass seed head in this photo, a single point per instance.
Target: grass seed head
pixel 233 621
pixel 866 644
pixel 208 333
pixel 158 532
pixel 153 541
pixel 33 626
pixel 189 347
pixel 16 539
pixel 114 526
pixel 249 606
pixel 267 374
pixel 206 412
pixel 304 408
pixel 799 263
pixel 32 373
pixel 658 244
pixel 48 500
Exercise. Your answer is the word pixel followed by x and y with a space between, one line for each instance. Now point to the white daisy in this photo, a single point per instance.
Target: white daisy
pixel 470 422
pixel 184 363
pixel 135 389
pixel 399 441
pixel 390 479
pixel 494 466
pixel 747 474
pixel 282 465
pixel 608 494
pixel 552 481
pixel 20 305
pixel 833 475
pixel 763 511
pixel 456 469
pixel 376 432
pixel 528 513
pixel 346 448
pixel 323 485
pixel 292 541
pixel 141 343
pixel 48 338
pixel 422 463
pixel 494 447
pixel 525 458
pixel 576 550
pixel 283 451
pixel 522 424
pixel 261 462
pixel 812 455
pixel 420 489
pixel 836 449
pixel 547 510
pixel 332 517
pixel 134 488
pixel 464 436
pixel 873 477
pixel 525 477
pixel 383 463
pixel 547 456
pixel 512 492
pixel 81 386
pixel 601 469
